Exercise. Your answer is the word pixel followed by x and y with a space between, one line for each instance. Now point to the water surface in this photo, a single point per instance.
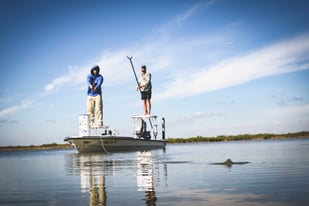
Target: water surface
pixel 182 174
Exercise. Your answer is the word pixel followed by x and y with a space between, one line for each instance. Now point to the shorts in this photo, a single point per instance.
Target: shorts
pixel 146 95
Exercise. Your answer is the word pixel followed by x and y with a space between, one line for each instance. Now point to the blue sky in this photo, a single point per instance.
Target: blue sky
pixel 219 67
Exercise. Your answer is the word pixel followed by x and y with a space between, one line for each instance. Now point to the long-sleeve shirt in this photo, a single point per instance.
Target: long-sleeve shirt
pixel 96 81
pixel 145 82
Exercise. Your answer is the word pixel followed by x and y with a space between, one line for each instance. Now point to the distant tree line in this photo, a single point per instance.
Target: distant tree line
pixel 36 147
pixel 222 138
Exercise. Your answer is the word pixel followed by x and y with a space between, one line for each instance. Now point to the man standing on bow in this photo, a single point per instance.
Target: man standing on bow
pixel 94 99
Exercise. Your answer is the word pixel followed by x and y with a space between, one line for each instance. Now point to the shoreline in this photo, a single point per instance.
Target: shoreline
pixel 36 147
pixel 170 140
pixel 242 137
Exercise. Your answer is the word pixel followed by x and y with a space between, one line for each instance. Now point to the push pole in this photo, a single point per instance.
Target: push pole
pixel 130 58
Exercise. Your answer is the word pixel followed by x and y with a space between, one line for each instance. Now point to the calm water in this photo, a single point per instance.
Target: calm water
pixel 277 174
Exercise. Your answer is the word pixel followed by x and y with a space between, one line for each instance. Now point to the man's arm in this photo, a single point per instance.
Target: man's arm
pixel 99 81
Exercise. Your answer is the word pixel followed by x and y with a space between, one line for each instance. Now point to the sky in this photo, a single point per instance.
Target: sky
pixel 219 67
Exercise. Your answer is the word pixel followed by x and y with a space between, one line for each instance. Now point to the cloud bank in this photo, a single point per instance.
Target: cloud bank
pixel 283 57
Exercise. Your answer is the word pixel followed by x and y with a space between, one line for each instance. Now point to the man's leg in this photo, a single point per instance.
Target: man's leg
pixel 90 109
pixel 145 106
pixel 148 106
pixel 99 108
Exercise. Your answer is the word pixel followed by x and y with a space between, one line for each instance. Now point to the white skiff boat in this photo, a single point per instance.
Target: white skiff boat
pixel 104 139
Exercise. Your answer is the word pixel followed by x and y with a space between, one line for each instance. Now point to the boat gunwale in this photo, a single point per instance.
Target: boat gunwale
pixel 111 138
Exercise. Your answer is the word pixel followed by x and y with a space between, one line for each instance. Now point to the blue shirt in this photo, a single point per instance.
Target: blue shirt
pixel 96 81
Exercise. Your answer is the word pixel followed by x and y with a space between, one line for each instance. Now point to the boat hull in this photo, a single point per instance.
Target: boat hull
pixel 109 144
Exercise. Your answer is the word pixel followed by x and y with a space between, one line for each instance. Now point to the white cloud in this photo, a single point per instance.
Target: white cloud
pixel 13 109
pixel 198 115
pixel 192 10
pixel 114 66
pixel 186 15
pixel 289 56
pixel 8 110
pixel 185 78
pixel 73 76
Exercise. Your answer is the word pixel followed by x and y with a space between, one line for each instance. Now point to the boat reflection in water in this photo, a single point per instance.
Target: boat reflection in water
pixel 145 176
pixel 117 179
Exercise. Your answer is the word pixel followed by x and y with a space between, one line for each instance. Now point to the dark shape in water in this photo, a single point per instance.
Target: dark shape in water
pixel 229 163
